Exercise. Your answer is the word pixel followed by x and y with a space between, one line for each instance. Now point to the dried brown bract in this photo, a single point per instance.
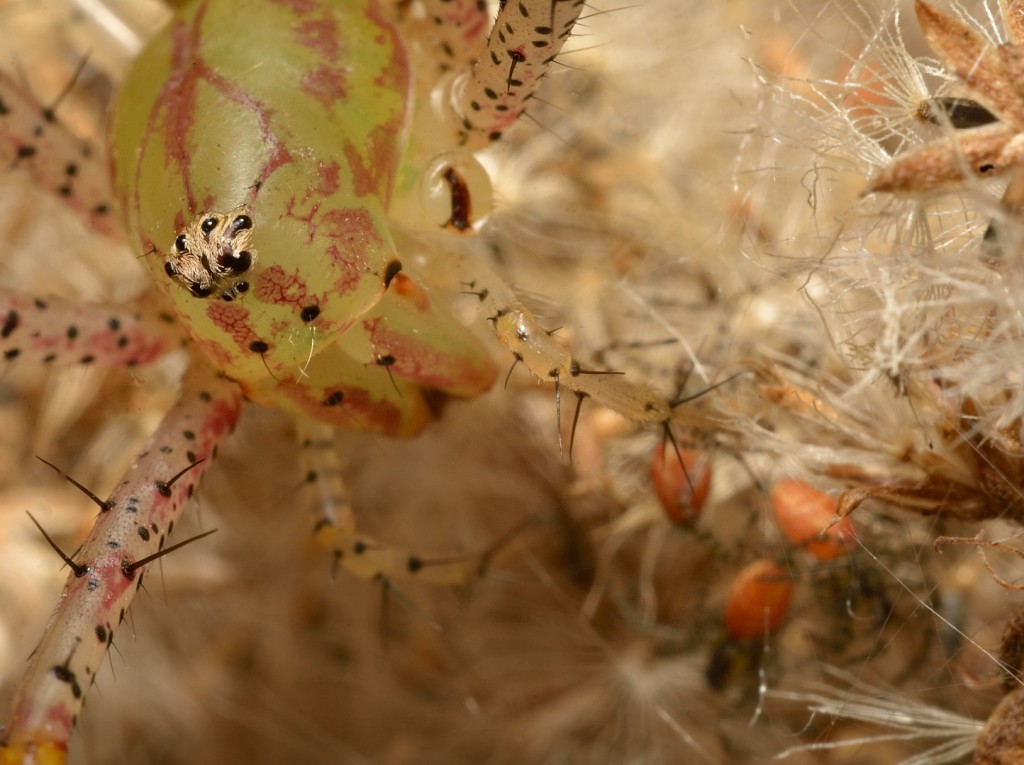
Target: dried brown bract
pixel 994 77
pixel 986 485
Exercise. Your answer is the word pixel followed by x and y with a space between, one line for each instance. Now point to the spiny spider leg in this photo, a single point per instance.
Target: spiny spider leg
pixel 525 38
pixel 531 345
pixel 142 514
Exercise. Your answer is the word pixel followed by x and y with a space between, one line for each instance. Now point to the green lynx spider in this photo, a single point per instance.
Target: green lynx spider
pixel 274 253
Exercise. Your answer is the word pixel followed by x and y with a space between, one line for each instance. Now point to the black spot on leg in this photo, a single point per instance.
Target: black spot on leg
pixel 65 675
pixel 72 332
pixel 334 398
pixel 414 564
pixel 11 323
pixel 12 354
pixel 258 346
pixel 101 633
pixel 143 533
pixel 310 312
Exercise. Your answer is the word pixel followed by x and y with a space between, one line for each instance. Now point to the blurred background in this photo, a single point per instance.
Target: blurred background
pixel 684 203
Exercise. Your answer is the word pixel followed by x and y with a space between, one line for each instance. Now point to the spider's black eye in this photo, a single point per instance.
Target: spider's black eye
pixel 201 292
pixel 227 297
pixel 180 244
pixel 242 287
pixel 238 262
pixel 241 223
pixel 169 269
pixel 208 225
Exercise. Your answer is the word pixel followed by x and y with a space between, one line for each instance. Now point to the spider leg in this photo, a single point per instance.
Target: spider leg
pixel 540 352
pixel 453 31
pixel 54 331
pixel 143 510
pixel 526 37
pixel 33 139
pixel 358 554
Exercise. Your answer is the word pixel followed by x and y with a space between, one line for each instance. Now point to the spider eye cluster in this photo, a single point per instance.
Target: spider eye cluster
pixel 212 254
